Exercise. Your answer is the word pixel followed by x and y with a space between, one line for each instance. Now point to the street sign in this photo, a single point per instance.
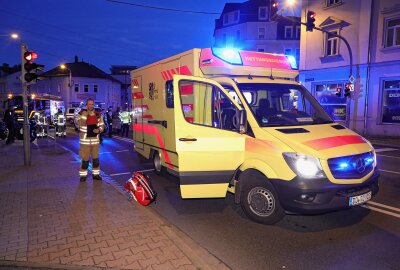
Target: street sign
pixel 351 79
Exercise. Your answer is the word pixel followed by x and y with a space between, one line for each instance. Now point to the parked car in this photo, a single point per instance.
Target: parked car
pixel 69 114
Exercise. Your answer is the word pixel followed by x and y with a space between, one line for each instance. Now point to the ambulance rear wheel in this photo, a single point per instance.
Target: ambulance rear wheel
pixel 157 163
pixel 259 200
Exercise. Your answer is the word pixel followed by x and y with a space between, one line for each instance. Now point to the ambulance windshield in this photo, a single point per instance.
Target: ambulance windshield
pixel 275 104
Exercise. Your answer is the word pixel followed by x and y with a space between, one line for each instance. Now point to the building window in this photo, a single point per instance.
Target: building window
pixel 86 88
pixel 297 32
pixel 76 87
pixel 236 16
pixel 226 19
pixel 261 33
pixel 297 56
pixel 332 2
pixel 391 102
pixel 332 44
pixel 392 33
pixel 288 32
pixel 262 13
pixel 95 88
pixel 288 51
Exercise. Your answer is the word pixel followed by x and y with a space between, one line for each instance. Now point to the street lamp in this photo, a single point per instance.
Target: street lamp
pixel 63 66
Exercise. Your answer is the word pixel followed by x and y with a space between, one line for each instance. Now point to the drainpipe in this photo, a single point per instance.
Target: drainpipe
pixel 367 83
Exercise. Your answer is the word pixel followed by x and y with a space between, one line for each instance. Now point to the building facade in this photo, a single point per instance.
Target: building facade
pixel 78 82
pixel 122 74
pixel 250 26
pixel 372 29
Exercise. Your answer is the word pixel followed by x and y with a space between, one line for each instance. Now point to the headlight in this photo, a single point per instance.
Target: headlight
pixel 304 165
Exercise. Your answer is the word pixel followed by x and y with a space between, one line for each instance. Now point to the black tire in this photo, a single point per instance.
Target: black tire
pixel 259 199
pixel 157 164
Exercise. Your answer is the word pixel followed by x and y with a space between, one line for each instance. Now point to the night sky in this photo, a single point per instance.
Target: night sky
pixel 105 33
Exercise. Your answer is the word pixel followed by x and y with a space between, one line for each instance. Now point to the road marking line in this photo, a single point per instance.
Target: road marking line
pixel 387 156
pixel 385 149
pixel 105 153
pixel 123 139
pixel 384 206
pixel 382 211
pixel 389 171
pixel 114 174
pixel 122 151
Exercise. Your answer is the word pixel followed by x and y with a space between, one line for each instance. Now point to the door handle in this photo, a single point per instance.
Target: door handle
pixel 187 139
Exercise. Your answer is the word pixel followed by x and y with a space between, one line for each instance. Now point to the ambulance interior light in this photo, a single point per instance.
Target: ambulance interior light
pixel 231 56
pixel 292 61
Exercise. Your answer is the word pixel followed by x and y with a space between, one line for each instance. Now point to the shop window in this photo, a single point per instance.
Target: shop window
pixel 392 33
pixel 332 99
pixel 391 102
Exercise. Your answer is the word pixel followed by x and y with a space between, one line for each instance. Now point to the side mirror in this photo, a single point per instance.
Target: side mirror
pixel 242 128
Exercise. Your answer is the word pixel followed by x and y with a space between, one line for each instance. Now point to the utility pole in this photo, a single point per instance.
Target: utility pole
pixel 27 146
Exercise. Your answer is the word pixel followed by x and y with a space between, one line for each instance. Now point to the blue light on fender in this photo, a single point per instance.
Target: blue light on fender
pixel 231 56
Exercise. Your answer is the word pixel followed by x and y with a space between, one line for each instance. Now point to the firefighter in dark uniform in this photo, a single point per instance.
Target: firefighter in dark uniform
pixel 9 120
pixel 91 124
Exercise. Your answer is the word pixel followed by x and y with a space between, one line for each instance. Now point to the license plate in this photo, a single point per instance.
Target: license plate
pixel 360 198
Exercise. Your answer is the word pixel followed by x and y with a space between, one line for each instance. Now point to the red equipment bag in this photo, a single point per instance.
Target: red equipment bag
pixel 140 188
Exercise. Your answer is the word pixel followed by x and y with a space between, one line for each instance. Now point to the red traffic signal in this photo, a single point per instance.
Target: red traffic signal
pixel 310 23
pixel 30 56
pixel 274 8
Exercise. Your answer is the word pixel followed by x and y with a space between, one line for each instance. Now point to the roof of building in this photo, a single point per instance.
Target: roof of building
pixel 79 69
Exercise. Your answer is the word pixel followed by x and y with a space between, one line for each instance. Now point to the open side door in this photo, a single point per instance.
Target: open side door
pixel 139 112
pixel 208 143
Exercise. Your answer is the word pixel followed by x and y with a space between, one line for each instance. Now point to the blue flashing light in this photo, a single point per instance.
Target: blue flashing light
pixel 231 56
pixel 369 161
pixel 292 61
pixel 343 165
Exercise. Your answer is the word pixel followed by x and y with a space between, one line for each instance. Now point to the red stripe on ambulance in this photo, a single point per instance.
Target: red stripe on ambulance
pixel 331 142
pixel 137 95
pixel 153 130
pixel 168 74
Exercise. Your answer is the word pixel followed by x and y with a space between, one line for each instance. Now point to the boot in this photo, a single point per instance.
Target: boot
pixel 97 177
pixel 82 179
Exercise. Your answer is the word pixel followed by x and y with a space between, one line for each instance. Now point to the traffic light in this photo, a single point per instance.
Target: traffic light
pixel 310 21
pixel 274 8
pixel 30 67
pixel 348 88
pixel 339 91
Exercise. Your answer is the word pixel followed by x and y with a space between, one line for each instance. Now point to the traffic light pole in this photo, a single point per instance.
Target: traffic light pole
pixel 27 147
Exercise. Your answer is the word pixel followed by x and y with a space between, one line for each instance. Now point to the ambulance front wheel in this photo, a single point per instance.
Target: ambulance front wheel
pixel 157 164
pixel 259 200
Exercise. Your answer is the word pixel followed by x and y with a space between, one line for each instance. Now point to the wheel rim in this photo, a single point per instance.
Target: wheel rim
pixel 157 162
pixel 261 201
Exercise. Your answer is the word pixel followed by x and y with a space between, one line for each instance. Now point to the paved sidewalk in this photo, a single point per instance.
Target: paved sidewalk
pixel 48 219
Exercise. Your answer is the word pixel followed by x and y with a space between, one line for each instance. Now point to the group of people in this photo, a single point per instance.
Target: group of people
pixel 124 118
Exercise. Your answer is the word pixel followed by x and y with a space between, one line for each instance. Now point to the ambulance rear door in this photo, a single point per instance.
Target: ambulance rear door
pixel 208 143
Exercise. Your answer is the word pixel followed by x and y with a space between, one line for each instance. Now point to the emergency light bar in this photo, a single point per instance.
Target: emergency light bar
pixel 231 56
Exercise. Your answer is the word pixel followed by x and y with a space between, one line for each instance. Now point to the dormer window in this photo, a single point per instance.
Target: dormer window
pixel 262 13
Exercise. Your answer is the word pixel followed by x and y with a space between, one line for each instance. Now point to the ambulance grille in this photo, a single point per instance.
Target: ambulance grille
pixel 352 167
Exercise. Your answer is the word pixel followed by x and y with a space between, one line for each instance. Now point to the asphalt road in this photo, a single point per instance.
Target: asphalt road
pixel 366 237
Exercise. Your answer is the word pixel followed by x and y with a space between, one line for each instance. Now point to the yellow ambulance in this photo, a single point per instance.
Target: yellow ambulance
pixel 227 120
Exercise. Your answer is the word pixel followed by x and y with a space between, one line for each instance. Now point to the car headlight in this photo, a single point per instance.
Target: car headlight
pixel 304 165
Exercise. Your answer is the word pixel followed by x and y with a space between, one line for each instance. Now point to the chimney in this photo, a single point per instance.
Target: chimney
pixel 76 59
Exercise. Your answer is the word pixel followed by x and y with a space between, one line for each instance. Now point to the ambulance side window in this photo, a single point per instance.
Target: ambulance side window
pixel 206 105
pixel 169 91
